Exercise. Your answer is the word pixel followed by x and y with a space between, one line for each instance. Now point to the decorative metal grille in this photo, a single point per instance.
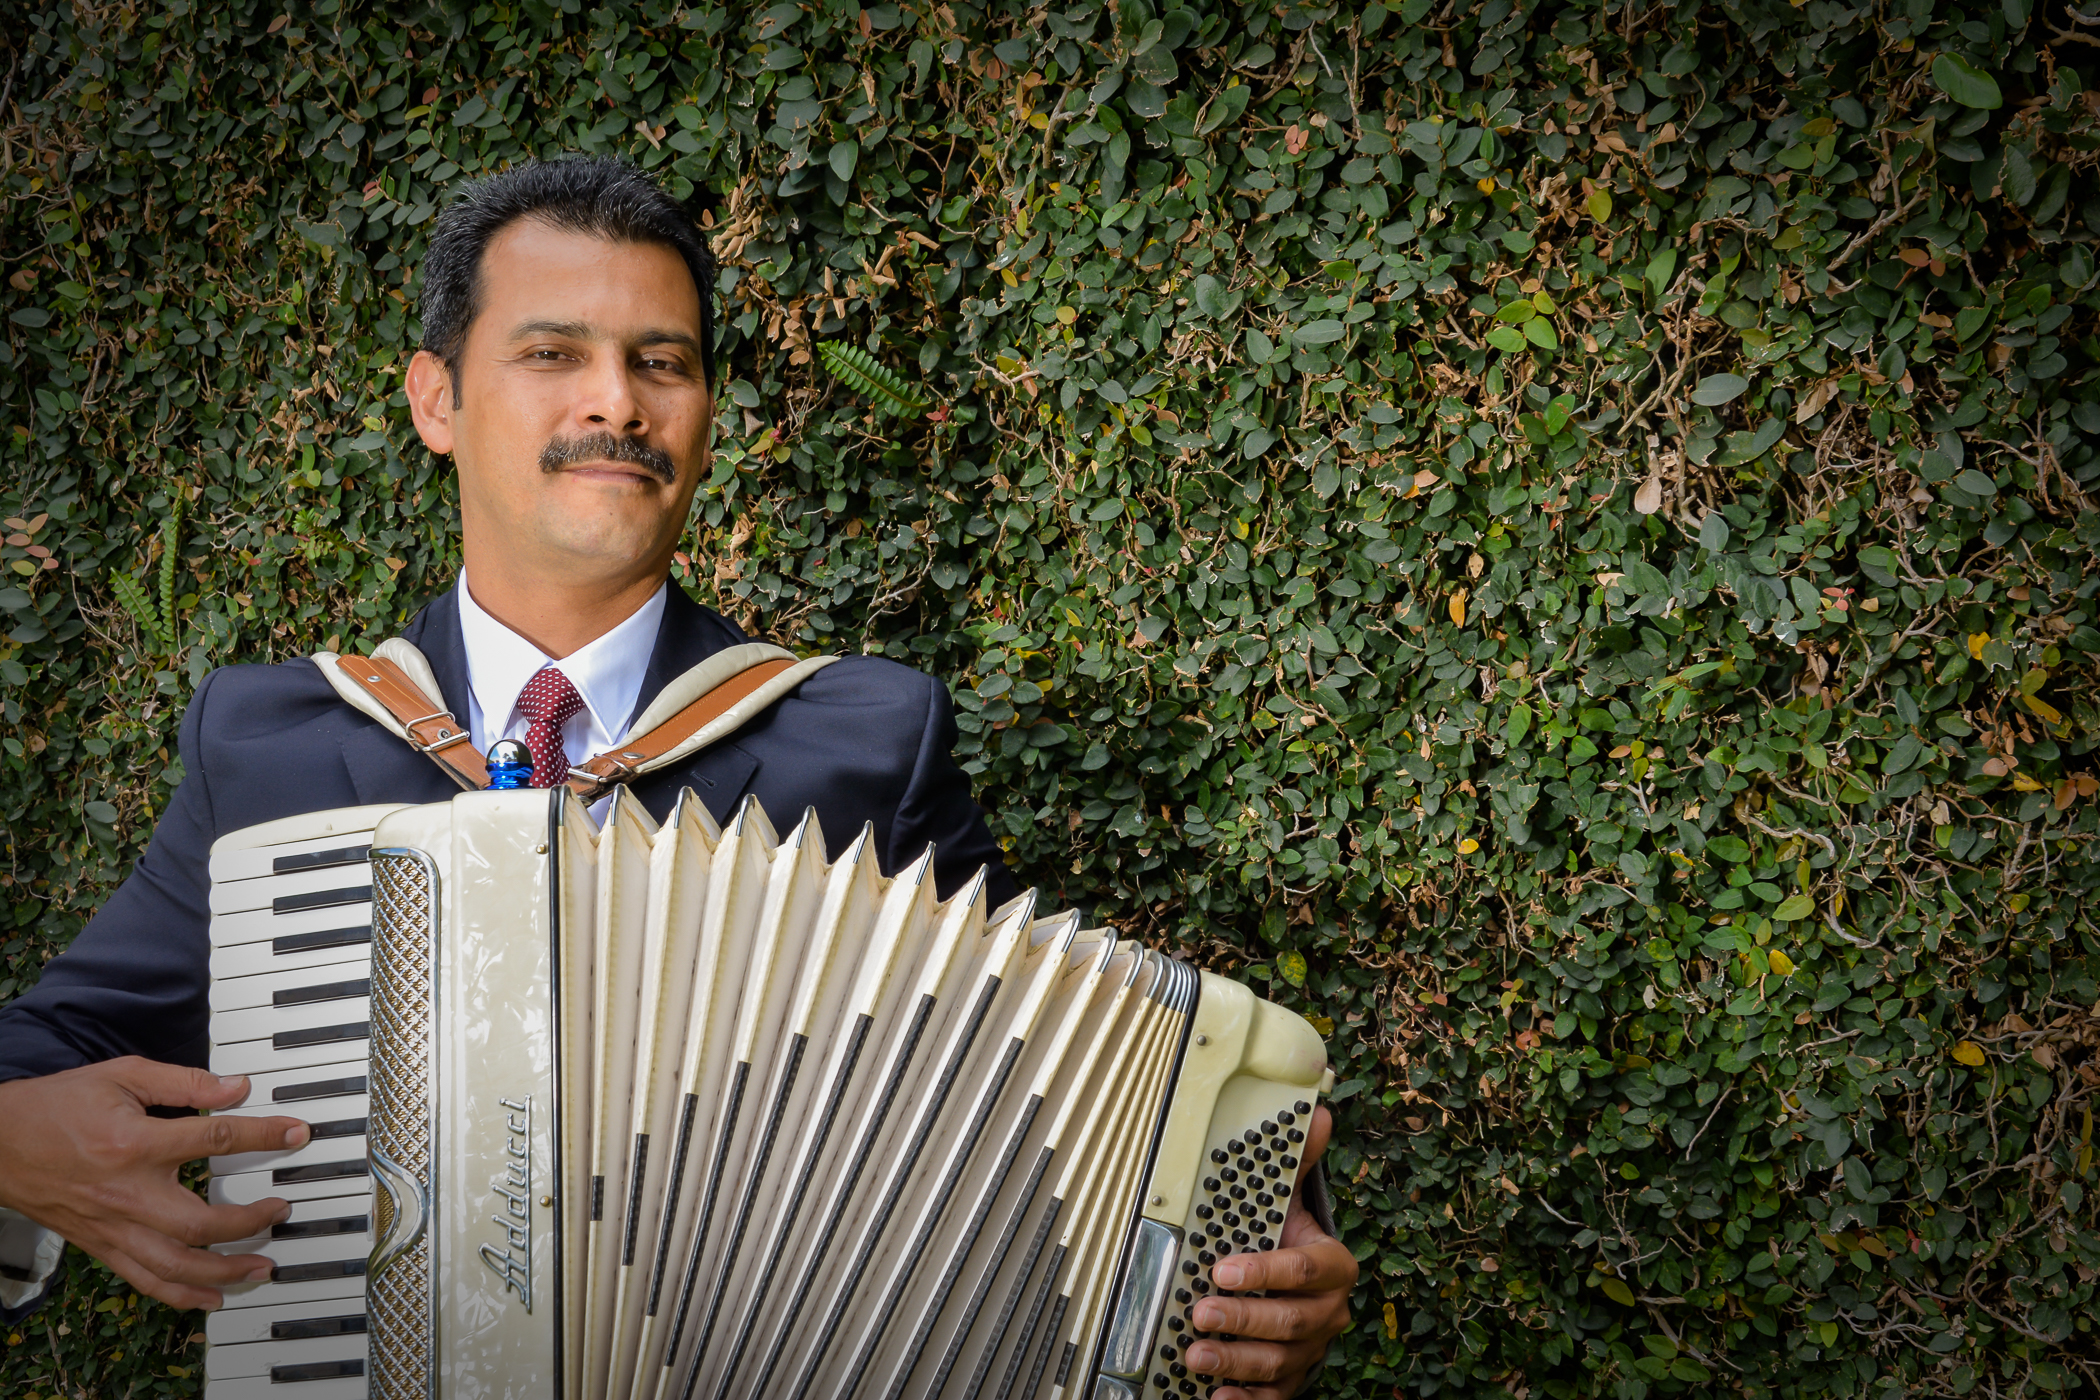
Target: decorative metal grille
pixel 402 1295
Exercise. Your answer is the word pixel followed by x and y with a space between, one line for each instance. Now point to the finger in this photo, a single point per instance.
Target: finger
pixel 188 1219
pixel 1259 1392
pixel 199 1268
pixel 176 1086
pixel 176 1295
pixel 186 1139
pixel 1316 1267
pixel 1287 1318
pixel 1264 1362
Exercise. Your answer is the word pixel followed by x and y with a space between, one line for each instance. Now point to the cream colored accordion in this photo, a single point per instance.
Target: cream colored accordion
pixel 685 1113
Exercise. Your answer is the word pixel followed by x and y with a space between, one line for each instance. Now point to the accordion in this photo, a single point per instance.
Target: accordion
pixel 696 1113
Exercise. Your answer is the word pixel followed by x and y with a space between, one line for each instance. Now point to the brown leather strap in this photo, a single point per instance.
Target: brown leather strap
pixel 431 728
pixel 598 776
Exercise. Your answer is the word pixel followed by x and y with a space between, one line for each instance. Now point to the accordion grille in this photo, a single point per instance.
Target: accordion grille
pixel 402 1297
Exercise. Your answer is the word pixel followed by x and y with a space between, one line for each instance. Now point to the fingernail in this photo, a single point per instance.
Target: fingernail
pixel 1208 1317
pixel 1228 1275
pixel 259 1275
pixel 295 1136
pixel 1201 1357
pixel 228 1081
pixel 284 1213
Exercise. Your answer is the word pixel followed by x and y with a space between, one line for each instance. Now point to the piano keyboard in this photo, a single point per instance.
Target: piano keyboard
pixel 291 918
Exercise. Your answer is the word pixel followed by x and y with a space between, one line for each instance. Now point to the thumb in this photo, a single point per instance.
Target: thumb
pixel 1317 1132
pixel 176 1086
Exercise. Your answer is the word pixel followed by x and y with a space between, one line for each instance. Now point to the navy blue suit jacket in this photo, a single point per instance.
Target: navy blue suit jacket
pixel 862 741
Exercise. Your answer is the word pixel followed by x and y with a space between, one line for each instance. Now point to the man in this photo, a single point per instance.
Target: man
pixel 566 369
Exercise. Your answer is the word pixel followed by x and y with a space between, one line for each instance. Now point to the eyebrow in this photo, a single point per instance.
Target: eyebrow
pixel 583 330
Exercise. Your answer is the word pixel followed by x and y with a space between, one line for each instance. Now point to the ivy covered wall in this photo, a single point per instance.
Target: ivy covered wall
pixel 1558 540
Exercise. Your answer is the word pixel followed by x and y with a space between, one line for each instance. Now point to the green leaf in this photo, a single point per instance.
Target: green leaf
pixel 1539 331
pixel 1322 332
pixel 1718 389
pixel 100 811
pixel 1878 562
pixel 1600 204
pixel 1966 83
pixel 1290 965
pixel 845 155
pixel 2016 176
pixel 1260 348
pixel 1518 726
pixel 1713 532
pixel 1798 906
pixel 1661 268
pixel 1507 338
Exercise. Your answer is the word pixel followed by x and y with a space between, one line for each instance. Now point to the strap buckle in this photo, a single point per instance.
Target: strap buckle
pixel 447 737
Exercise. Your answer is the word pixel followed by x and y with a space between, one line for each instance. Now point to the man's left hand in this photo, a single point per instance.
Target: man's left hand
pixel 1283 1336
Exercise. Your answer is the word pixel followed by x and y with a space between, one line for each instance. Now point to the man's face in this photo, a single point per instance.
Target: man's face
pixel 580 428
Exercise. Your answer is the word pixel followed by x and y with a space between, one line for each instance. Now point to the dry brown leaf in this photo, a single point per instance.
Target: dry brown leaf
pixel 1649 499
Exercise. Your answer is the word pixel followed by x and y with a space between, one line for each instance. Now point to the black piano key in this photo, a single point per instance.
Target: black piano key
pixel 318 1089
pixel 307 1328
pixel 317 860
pixel 340 1128
pixel 322 1035
pixel 317 1371
pixel 307 1273
pixel 327 991
pixel 324 938
pixel 315 1229
pixel 317 1171
pixel 321 899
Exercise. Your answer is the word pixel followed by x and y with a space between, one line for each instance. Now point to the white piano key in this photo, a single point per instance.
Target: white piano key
pixel 236 993
pixel 299 889
pixel 264 1022
pixel 294 1091
pixel 325 1218
pixel 318 1152
pixel 254 862
pixel 225 1363
pixel 246 1188
pixel 239 1326
pixel 249 926
pixel 257 1056
pixel 258 955
pixel 263 1388
pixel 316 1258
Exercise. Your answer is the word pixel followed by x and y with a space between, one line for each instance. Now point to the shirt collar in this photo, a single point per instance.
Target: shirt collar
pixel 607 672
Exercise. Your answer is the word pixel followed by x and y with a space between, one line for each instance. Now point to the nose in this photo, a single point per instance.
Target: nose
pixel 609 402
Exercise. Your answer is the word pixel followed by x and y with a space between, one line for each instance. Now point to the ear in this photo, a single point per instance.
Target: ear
pixel 430 401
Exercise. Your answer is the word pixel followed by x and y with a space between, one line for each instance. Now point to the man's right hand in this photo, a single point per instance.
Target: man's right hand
pixel 80 1155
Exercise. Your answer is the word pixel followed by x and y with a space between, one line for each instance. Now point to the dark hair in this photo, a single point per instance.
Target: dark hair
pixel 598 195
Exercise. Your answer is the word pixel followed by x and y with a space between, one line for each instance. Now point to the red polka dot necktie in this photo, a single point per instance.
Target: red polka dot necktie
pixel 550 701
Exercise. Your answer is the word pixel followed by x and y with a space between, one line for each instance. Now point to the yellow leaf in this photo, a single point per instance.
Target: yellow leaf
pixel 1066 315
pixel 1392 1323
pixel 1977 642
pixel 1323 1024
pixel 1781 963
pixel 1968 1052
pixel 1485 184
pixel 2023 783
pixel 1468 846
pixel 1618 1292
pixel 2048 712
pixel 1458 608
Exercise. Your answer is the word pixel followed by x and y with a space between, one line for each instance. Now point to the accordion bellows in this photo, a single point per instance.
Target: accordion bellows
pixel 688 1112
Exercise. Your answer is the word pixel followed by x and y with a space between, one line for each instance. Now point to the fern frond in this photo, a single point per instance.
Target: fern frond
pixel 133 597
pixel 870 378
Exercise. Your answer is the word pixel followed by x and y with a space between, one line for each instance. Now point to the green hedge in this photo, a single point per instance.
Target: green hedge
pixel 1557 540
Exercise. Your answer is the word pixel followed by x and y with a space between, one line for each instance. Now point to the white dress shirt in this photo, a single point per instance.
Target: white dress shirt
pixel 607 673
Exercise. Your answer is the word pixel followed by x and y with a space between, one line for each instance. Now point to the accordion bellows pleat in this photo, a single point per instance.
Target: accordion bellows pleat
pixel 685 1113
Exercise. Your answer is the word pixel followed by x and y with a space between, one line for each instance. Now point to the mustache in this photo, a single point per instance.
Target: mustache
pixel 606 447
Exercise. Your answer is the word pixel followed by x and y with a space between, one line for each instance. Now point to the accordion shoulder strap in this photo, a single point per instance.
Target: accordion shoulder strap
pixel 395 686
